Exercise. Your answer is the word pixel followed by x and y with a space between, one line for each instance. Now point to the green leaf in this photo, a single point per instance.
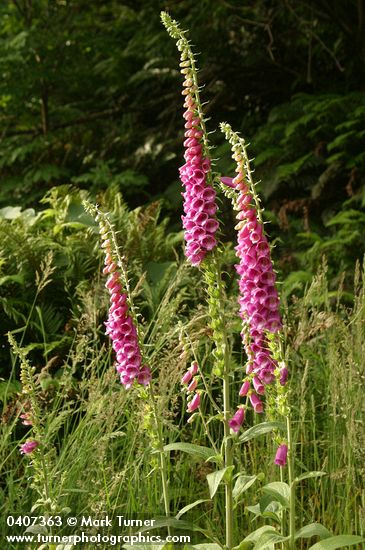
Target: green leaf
pixel 7 389
pixel 279 490
pixel 214 479
pixel 342 140
pixel 255 535
pixel 290 169
pixel 197 450
pixel 17 278
pixel 309 475
pixel 242 484
pixel 190 506
pixel 313 530
pixel 339 541
pixel 269 504
pixel 261 429
pixel 268 540
pixel 37 529
pixel 351 217
pixel 255 509
pixel 271 515
pixel 244 545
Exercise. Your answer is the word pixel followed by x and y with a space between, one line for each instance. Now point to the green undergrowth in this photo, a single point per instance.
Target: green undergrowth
pixel 100 439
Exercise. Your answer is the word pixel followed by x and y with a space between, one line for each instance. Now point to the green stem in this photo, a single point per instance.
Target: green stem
pixel 228 461
pixel 228 454
pixel 281 513
pixel 291 485
pixel 163 464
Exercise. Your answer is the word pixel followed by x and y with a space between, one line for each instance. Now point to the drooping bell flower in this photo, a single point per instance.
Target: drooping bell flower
pixel 237 420
pixel 29 446
pixel 194 403
pixel 281 455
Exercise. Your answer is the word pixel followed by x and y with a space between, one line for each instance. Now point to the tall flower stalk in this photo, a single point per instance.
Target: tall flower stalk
pixel 125 333
pixel 259 310
pixel 201 226
pixel 258 297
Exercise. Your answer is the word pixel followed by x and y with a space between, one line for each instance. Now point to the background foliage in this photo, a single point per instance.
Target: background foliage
pixel 89 95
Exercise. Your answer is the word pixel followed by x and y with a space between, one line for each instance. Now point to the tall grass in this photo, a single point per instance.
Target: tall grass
pixel 328 346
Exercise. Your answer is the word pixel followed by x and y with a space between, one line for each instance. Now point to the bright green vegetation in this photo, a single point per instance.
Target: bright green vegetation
pixel 99 437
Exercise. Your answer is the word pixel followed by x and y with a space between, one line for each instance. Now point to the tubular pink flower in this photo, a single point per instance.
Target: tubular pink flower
pixel 244 388
pixel 228 181
pixel 283 376
pixel 256 403
pixel 29 446
pixel 237 420
pixel 194 368
pixel 194 403
pixel 192 386
pixel 121 330
pixel 187 377
pixel 281 455
pixel 259 388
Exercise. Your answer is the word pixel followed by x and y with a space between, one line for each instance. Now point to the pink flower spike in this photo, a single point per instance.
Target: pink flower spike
pixel 144 376
pixel 256 403
pixel 29 446
pixel 236 422
pixel 228 181
pixel 281 455
pixel 194 403
pixel 199 196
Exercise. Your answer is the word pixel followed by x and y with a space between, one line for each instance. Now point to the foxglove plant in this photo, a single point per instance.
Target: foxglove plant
pixel 266 374
pixel 125 333
pixel 201 227
pixel 37 448
pixel 258 298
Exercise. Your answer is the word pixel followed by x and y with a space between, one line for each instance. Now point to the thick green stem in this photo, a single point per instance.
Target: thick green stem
pixel 292 486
